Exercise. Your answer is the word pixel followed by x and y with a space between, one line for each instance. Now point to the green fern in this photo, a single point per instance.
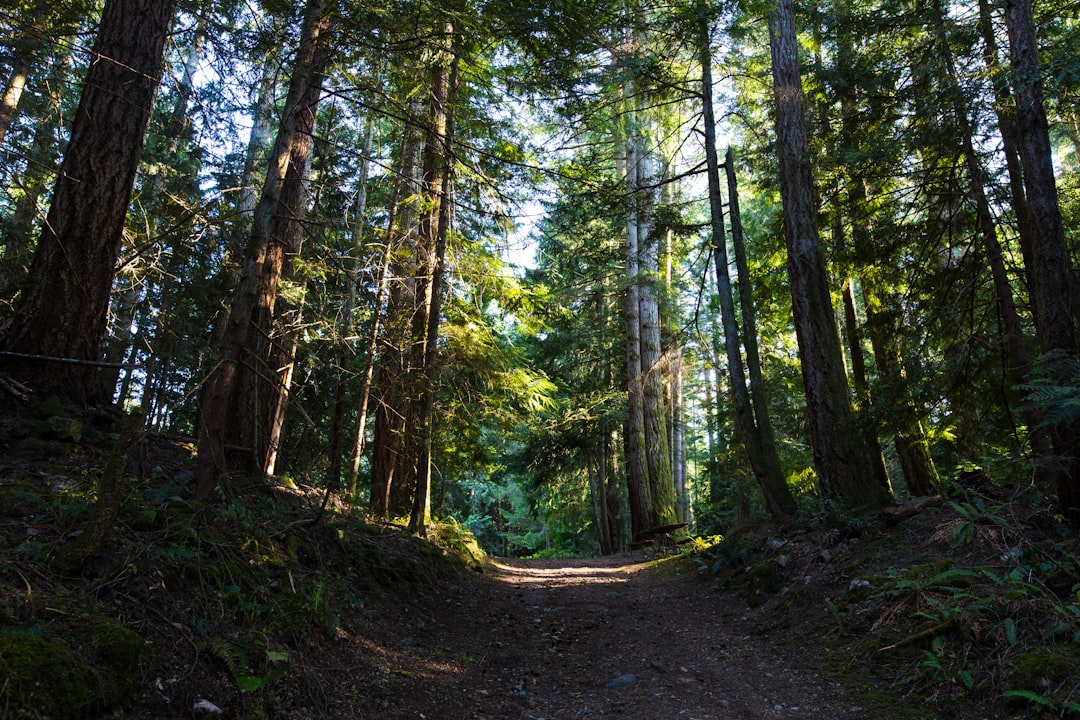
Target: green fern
pixel 1054 389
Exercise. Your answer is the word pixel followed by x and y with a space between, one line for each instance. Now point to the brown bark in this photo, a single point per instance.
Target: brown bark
pixel 434 231
pixel 779 501
pixel 352 278
pixel 225 410
pixel 841 461
pixel 386 483
pixel 1018 369
pixel 853 333
pixel 1054 320
pixel 62 311
pixel 641 517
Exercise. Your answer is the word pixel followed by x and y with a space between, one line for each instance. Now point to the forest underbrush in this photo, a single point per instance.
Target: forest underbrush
pixel 970 600
pixel 192 609
pixel 963 606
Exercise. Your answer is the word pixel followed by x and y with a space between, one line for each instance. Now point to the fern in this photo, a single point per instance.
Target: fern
pixel 1054 389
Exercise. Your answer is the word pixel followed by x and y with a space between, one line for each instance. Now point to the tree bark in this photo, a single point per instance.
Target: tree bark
pixel 1054 321
pixel 638 488
pixel 387 448
pixel 224 409
pixel 657 447
pixel 62 311
pixel 434 232
pixel 352 279
pixel 853 333
pixel 20 71
pixel 841 461
pixel 1018 370
pixel 778 499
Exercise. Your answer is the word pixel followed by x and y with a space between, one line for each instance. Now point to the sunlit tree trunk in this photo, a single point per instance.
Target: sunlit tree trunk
pixel 227 406
pixel 387 485
pixel 20 71
pixel 432 237
pixel 62 311
pixel 657 449
pixel 1054 321
pixel 841 461
pixel 634 433
pixel 265 382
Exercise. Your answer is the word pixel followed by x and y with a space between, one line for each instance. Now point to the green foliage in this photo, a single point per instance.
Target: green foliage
pixel 248 676
pixel 1054 390
pixel 1000 628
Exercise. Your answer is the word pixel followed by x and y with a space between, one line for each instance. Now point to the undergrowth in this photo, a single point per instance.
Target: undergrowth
pixel 229 600
pixel 974 601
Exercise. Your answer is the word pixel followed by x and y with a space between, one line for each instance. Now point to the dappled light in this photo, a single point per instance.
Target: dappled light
pixel 779 418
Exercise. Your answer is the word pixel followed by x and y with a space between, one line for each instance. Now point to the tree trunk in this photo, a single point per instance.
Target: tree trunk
pixel 657 448
pixel 387 448
pixel 638 487
pixel 62 310
pixel 227 407
pixel 262 118
pixel 352 279
pixel 438 171
pixel 1018 369
pixel 853 333
pixel 759 397
pixel 841 461
pixel 1054 320
pixel 20 71
pixel 778 499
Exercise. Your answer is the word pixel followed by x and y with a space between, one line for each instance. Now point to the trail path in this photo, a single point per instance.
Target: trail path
pixel 562 640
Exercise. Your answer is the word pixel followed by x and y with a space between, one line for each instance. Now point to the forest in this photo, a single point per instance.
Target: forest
pixel 571 278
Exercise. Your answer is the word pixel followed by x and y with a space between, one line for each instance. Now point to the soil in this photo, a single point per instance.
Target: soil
pixel 247 611
pixel 607 637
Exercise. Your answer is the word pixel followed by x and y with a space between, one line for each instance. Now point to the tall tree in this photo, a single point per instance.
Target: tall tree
pixel 432 238
pixel 226 408
pixel 841 460
pixel 62 311
pixel 1054 321
pixel 762 454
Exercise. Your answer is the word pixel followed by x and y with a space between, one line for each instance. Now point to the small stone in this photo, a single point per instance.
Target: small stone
pixel 858 584
pixel 205 707
pixel 778 707
pixel 622 681
pixel 825 555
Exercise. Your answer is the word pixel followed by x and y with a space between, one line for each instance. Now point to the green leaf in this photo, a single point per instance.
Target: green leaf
pixel 1029 695
pixel 1009 626
pixel 251 683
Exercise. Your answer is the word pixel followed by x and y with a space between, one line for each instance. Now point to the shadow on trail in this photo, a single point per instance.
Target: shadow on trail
pixel 616 637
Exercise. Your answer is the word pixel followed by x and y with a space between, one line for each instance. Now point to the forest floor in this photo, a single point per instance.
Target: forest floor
pixel 962 609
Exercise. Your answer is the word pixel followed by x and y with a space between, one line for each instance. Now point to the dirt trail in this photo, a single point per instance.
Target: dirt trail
pixel 561 640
